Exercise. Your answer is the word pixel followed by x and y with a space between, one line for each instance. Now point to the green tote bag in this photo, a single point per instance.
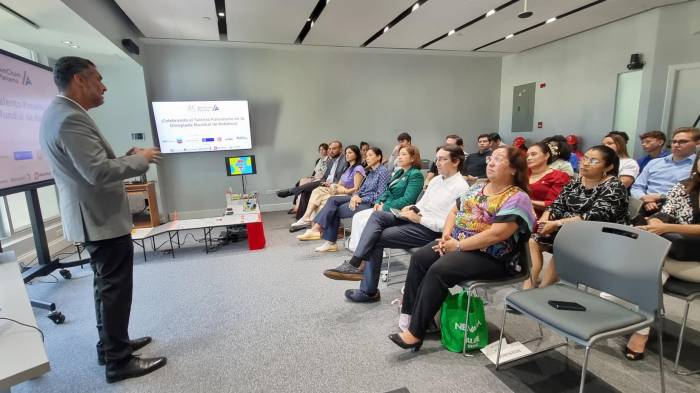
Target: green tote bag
pixel 453 315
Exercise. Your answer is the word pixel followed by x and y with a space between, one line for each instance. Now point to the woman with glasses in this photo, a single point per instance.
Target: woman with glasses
pixel 479 240
pixel 596 195
pixel 629 168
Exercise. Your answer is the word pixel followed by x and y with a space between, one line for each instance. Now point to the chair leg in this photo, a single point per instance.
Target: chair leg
pixel 388 267
pixel 680 337
pixel 500 336
pixel 660 323
pixel 584 368
pixel 466 324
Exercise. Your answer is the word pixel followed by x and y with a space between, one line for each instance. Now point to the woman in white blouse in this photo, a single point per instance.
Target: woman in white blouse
pixel 629 169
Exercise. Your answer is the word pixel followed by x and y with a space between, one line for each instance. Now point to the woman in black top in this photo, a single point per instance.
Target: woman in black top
pixel 597 195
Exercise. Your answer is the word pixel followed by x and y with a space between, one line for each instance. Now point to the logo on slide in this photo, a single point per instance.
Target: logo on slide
pixel 26 81
pixel 215 108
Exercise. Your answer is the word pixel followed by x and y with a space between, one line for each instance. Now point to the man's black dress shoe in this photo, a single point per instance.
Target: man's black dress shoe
pixel 396 338
pixel 285 193
pixel 133 367
pixel 136 344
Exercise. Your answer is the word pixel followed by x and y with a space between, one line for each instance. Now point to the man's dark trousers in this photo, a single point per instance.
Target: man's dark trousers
pixel 112 261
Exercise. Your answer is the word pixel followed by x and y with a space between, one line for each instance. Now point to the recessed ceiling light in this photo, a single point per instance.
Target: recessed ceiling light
pixel 510 36
pixel 222 14
pixel 74 46
pixel 386 29
pixel 312 24
pixel 450 32
pixel 415 7
pixel 490 13
pixel 67 42
pixel 550 20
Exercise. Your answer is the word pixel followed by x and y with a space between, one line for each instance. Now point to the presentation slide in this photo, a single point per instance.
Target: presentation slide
pixel 243 165
pixel 194 126
pixel 25 92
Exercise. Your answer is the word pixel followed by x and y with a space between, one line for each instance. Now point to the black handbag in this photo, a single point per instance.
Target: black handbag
pixel 684 247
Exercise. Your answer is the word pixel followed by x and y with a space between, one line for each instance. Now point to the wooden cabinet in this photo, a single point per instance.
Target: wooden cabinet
pixel 150 217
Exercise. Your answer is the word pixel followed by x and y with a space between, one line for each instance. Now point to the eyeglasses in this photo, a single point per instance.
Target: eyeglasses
pixel 590 161
pixel 680 141
pixel 496 160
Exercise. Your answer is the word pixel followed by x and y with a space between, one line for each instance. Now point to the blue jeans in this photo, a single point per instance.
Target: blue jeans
pixel 329 217
pixel 385 230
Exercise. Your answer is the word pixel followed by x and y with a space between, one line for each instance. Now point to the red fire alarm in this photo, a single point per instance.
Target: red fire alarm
pixel 539 124
pixel 543 85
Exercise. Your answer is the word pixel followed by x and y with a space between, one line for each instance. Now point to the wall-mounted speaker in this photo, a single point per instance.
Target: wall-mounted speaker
pixel 130 46
pixel 636 62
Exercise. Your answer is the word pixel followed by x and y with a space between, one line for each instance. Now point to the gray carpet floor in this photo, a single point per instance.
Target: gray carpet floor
pixel 267 321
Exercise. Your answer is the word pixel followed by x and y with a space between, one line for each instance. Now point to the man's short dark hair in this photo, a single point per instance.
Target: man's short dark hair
pixel 67 67
pixel 363 143
pixel 653 134
pixel 694 132
pixel 494 137
pixel 458 139
pixel 403 137
pixel 483 136
pixel 323 146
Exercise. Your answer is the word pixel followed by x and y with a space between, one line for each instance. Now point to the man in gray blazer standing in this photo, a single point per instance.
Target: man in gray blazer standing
pixel 94 208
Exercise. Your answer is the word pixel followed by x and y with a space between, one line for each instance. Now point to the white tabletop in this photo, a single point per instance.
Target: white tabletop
pixel 22 353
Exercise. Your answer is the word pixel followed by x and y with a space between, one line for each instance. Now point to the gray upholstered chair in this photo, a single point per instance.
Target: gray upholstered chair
pixel 613 258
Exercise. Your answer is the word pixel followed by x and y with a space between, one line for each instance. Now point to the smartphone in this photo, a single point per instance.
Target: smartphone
pixel 570 306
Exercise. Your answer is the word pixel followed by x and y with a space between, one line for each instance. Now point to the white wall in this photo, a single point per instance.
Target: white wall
pixel 302 97
pixel 581 72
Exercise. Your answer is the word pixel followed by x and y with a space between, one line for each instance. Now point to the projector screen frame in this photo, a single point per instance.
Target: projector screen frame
pixel 32 185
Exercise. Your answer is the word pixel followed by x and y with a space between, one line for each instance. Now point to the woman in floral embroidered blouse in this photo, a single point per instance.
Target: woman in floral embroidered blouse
pixel 597 195
pixel 479 240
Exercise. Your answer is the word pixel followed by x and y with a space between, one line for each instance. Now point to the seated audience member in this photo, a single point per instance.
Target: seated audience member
pixel 349 182
pixel 335 166
pixel 495 141
pixel 343 206
pixel 660 174
pixel 317 174
pixel 629 169
pixel 415 226
pixel 474 166
pixel 452 139
pixel 403 139
pixel 479 241
pixel 596 195
pixel 622 134
pixel 403 189
pixel 561 154
pixel 653 144
pixel 364 147
pixel 545 183
pixel 680 214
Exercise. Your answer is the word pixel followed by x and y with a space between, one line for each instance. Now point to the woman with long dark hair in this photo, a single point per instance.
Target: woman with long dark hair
pixel 679 214
pixel 545 183
pixel 479 240
pixel 629 168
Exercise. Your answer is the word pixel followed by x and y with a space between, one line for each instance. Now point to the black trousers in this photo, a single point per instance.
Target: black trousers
pixel 112 261
pixel 430 276
pixel 303 193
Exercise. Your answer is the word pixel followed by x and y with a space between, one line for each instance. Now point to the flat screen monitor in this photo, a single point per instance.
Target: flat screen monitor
pixel 26 90
pixel 201 126
pixel 240 165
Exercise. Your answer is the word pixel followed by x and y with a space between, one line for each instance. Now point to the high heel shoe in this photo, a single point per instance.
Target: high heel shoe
pixel 632 355
pixel 396 338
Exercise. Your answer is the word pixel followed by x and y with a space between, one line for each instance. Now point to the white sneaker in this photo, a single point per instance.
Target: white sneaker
pixel 327 247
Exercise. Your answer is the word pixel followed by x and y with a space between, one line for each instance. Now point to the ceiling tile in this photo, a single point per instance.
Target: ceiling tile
pixel 173 19
pixel 266 21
